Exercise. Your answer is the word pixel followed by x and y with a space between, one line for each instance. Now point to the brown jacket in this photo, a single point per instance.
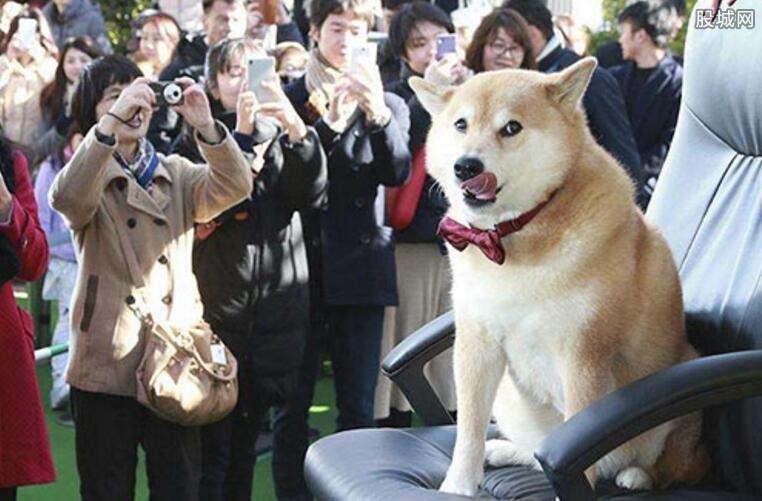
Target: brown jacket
pixel 109 212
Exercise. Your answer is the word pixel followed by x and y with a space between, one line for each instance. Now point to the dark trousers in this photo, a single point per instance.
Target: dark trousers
pixel 352 335
pixel 108 429
pixel 229 446
pixel 8 494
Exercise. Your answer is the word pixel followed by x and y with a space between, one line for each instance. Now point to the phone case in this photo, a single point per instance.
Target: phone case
pixel 26 30
pixel 261 69
pixel 445 45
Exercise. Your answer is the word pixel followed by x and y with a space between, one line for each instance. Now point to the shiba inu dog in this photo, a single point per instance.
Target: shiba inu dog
pixel 562 291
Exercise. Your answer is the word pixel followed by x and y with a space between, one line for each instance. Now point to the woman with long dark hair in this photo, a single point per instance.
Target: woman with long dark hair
pixel 415 209
pixel 55 99
pixel 25 454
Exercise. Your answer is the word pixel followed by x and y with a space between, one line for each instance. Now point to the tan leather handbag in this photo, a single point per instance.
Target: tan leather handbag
pixel 187 376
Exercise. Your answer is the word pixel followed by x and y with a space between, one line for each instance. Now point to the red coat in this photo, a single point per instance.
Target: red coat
pixel 24 446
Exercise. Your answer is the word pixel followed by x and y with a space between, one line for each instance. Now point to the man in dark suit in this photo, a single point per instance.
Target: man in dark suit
pixel 364 133
pixel 651 81
pixel 603 101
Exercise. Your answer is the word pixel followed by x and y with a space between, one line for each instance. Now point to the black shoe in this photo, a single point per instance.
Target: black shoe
pixel 66 419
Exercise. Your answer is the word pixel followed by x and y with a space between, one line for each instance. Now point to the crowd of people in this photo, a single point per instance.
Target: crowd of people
pixel 298 224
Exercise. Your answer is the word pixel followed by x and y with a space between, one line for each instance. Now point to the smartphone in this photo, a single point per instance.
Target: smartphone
pixel 261 69
pixel 362 54
pixel 445 45
pixel 27 30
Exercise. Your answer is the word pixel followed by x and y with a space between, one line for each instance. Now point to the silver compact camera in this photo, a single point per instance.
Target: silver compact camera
pixel 167 93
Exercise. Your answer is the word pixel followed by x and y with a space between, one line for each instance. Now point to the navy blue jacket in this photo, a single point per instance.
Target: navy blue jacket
pixel 606 112
pixel 351 251
pixel 653 114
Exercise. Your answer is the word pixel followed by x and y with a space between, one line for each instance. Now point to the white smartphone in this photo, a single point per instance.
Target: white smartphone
pixel 27 30
pixel 362 54
pixel 261 69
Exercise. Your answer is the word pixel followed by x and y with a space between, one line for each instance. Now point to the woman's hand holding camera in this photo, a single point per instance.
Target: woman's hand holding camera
pixel 196 111
pixel 138 95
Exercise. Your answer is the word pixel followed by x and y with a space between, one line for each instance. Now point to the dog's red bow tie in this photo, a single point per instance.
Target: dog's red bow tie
pixel 489 241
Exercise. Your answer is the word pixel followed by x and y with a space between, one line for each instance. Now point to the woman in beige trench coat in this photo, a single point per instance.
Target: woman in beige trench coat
pixel 122 200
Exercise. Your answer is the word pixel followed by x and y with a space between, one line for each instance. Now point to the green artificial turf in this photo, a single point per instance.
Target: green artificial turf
pixel 66 487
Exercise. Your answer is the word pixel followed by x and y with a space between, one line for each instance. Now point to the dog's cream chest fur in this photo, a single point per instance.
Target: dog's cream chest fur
pixel 526 315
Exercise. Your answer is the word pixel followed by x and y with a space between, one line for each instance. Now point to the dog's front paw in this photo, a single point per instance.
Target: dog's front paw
pixel 461 483
pixel 501 452
pixel 634 478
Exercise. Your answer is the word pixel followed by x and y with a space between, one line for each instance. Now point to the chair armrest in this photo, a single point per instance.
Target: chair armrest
pixel 404 365
pixel 633 409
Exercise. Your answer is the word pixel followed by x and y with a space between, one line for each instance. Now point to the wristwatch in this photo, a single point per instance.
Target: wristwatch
pixel 108 140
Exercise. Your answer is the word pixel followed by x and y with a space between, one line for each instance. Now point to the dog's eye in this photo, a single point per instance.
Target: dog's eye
pixel 461 125
pixel 511 129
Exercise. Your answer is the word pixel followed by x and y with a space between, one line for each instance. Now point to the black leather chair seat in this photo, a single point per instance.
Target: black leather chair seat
pixel 378 474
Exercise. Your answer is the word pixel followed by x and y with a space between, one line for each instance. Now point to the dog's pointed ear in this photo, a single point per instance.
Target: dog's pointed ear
pixel 567 87
pixel 433 97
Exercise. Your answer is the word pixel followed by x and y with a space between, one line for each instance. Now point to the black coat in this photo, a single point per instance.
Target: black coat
pixel 252 273
pixel 351 250
pixel 606 112
pixel 652 111
pixel 401 87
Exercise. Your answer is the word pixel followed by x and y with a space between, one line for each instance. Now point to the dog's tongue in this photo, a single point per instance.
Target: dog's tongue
pixel 482 186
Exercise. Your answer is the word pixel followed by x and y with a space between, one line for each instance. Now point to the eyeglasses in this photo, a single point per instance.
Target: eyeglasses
pixel 514 51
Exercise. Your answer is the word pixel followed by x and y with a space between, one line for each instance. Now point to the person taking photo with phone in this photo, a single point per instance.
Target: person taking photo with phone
pixel 132 213
pixel 421 36
pixel 364 133
pixel 250 261
pixel 27 64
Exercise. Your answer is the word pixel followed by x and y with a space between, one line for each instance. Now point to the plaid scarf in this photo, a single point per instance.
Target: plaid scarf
pixel 144 164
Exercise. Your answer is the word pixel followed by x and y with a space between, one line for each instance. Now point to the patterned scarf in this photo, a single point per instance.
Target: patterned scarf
pixel 144 164
pixel 320 80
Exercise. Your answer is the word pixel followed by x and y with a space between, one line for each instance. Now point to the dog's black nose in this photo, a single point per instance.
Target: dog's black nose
pixel 468 167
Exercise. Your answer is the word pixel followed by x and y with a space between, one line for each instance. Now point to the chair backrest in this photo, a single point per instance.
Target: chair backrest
pixel 708 204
